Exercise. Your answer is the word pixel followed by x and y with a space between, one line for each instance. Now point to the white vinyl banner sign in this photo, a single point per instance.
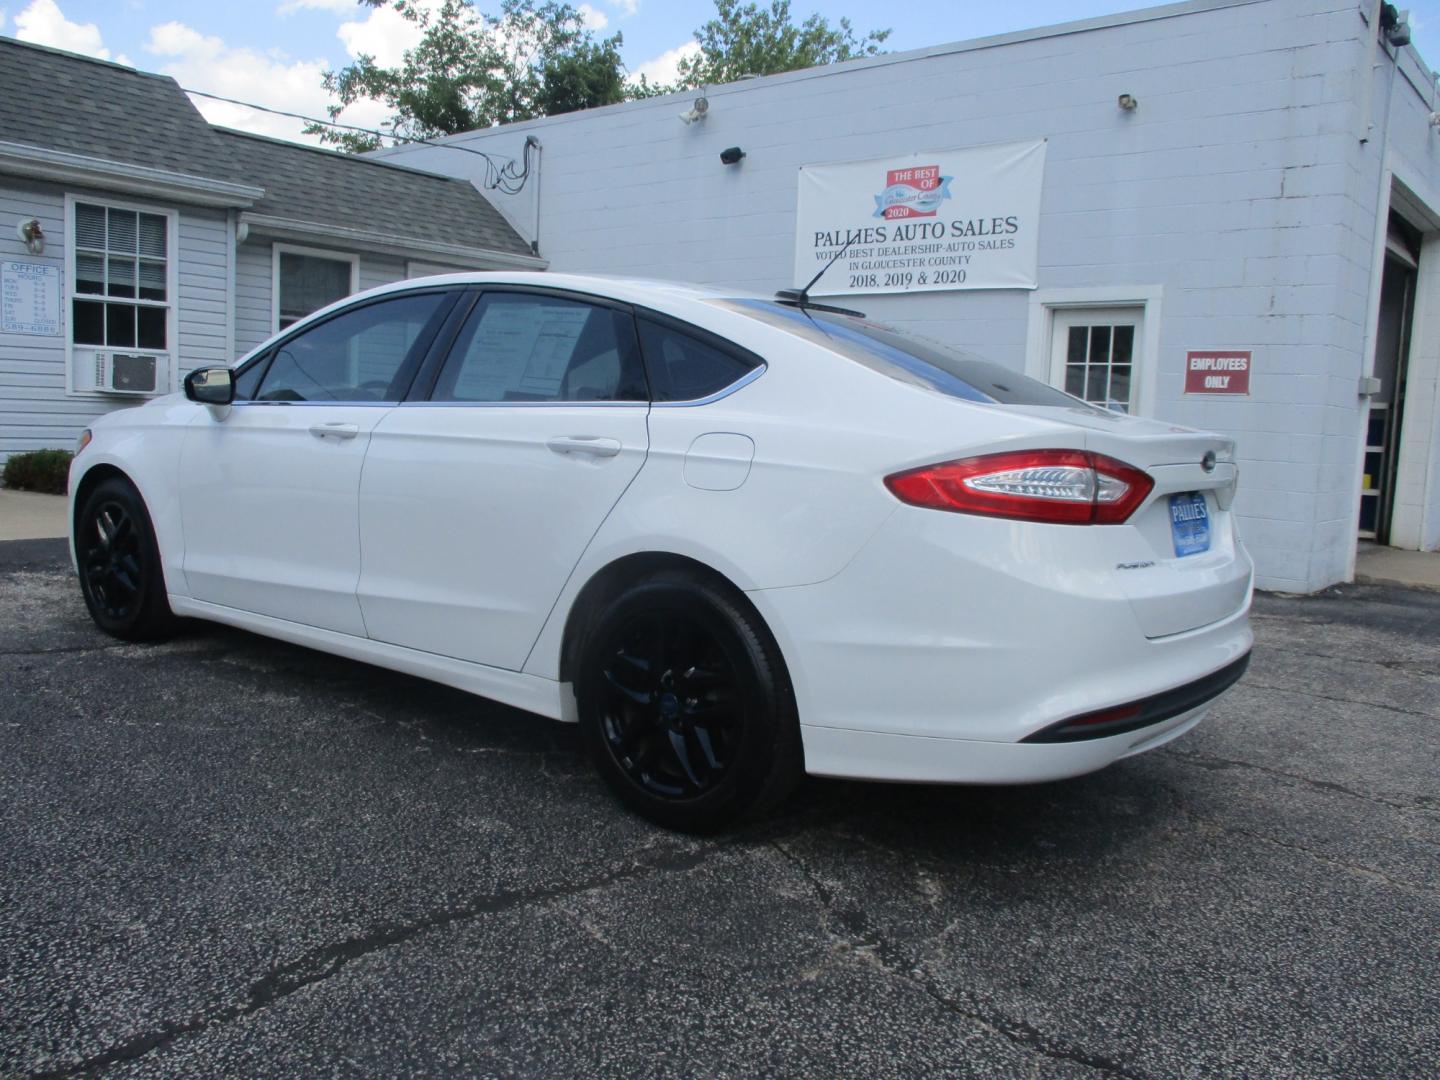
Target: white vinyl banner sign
pixel 952 219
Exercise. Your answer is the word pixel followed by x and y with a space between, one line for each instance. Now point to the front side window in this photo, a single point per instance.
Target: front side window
pixel 365 354
pixel 306 283
pixel 122 274
pixel 525 347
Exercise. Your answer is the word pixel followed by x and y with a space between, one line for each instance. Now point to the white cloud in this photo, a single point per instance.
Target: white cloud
pixel 627 7
pixel 593 18
pixel 43 23
pixel 665 68
pixel 199 62
pixel 337 7
pixel 384 34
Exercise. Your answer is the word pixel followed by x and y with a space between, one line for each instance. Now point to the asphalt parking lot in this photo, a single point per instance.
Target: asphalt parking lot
pixel 225 856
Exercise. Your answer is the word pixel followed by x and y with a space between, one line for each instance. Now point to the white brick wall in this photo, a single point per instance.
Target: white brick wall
pixel 1239 185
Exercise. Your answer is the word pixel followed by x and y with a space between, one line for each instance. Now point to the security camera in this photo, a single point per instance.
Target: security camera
pixel 696 111
pixel 731 155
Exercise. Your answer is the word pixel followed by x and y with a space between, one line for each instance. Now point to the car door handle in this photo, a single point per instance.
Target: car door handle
pixel 594 445
pixel 335 429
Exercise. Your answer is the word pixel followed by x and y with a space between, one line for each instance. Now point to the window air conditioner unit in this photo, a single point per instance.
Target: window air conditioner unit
pixel 126 373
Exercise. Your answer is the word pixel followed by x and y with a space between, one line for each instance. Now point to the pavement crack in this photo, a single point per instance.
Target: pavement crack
pixel 1207 761
pixel 863 941
pixel 326 961
pixel 1252 684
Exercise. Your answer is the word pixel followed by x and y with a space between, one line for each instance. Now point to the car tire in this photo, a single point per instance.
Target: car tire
pixel 685 705
pixel 119 563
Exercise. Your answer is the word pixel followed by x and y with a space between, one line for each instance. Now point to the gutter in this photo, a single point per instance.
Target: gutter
pixel 277 228
pixel 21 159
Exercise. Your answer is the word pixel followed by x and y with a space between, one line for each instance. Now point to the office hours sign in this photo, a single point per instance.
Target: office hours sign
pixel 952 219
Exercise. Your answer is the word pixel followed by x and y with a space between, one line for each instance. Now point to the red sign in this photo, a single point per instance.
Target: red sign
pixel 1216 371
pixel 905 191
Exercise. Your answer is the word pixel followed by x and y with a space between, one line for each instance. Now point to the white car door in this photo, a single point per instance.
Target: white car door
pixel 477 503
pixel 269 488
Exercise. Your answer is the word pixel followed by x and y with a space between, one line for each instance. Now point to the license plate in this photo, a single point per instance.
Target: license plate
pixel 1189 523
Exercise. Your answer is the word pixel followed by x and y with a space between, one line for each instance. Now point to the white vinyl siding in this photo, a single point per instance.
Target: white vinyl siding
pixel 254 312
pixel 35 410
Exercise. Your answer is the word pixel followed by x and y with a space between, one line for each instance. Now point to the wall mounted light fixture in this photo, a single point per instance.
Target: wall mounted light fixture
pixel 697 111
pixel 1128 102
pixel 31 235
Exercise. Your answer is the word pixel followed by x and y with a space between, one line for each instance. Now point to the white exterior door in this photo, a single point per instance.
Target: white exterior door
pixel 476 505
pixel 269 493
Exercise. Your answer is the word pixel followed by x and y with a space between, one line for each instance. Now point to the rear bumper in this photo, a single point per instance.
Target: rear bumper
pixel 951 642
pixel 873 755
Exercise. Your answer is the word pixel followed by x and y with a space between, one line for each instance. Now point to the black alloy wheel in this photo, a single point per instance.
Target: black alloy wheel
pixel 119 564
pixel 685 704
pixel 673 713
pixel 111 561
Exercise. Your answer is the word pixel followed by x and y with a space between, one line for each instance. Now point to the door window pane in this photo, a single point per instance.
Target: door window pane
pixel 1098 362
pixel 359 355
pixel 524 347
pixel 309 283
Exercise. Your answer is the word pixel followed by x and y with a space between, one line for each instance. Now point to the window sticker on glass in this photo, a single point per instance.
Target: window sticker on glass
pixel 520 351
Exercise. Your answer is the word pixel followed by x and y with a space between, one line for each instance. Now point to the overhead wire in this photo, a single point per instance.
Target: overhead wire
pixel 502 175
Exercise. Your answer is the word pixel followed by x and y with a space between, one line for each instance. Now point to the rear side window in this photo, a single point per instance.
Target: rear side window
pixel 905 358
pixel 526 347
pixel 686 367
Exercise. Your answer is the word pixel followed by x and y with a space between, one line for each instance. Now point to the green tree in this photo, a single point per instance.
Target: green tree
pixel 750 40
pixel 473 70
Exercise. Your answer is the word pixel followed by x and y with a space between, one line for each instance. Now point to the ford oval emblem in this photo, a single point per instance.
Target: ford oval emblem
pixel 1208 461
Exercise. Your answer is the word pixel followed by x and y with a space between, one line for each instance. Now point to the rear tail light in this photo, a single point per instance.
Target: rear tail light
pixel 1063 487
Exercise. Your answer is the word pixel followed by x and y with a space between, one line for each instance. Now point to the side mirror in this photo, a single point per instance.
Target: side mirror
pixel 211 386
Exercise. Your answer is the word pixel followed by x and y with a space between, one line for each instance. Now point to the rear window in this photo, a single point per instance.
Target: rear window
pixel 906 358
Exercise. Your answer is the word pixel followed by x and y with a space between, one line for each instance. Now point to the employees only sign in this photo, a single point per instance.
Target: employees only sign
pixel 1222 371
pixel 950 219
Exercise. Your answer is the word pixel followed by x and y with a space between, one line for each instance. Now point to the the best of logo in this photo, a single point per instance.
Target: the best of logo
pixel 916 191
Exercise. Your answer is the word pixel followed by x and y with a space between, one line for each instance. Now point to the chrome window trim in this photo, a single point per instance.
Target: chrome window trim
pixel 302 404
pixel 740 383
pixel 724 392
pixel 524 404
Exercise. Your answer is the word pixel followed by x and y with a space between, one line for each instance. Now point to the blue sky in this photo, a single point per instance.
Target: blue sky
pixel 273 51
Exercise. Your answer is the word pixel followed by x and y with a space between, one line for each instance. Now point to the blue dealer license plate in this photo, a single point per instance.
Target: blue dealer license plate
pixel 1189 523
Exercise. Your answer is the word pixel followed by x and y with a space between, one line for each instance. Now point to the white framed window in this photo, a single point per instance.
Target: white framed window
pixel 307 279
pixel 1098 344
pixel 1092 354
pixel 122 305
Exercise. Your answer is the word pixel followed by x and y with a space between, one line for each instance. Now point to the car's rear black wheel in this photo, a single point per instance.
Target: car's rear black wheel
pixel 120 573
pixel 685 705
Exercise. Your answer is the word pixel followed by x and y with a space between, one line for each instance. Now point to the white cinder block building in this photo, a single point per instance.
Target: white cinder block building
pixel 1247 190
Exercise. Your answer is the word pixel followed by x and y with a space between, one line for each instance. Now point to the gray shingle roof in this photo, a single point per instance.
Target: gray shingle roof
pixel 306 183
pixel 63 101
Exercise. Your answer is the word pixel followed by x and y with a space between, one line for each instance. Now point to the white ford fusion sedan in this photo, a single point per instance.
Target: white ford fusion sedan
pixel 736 539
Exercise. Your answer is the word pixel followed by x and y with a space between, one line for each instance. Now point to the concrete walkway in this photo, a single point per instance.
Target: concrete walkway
pixel 1376 565
pixel 24 515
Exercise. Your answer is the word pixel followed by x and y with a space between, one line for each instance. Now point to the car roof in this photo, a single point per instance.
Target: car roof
pixel 615 287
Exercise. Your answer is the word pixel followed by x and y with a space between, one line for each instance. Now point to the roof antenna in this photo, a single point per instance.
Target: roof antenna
pixel 801 297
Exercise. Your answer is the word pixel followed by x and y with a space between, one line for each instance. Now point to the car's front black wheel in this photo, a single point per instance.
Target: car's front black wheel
pixel 685 705
pixel 119 561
